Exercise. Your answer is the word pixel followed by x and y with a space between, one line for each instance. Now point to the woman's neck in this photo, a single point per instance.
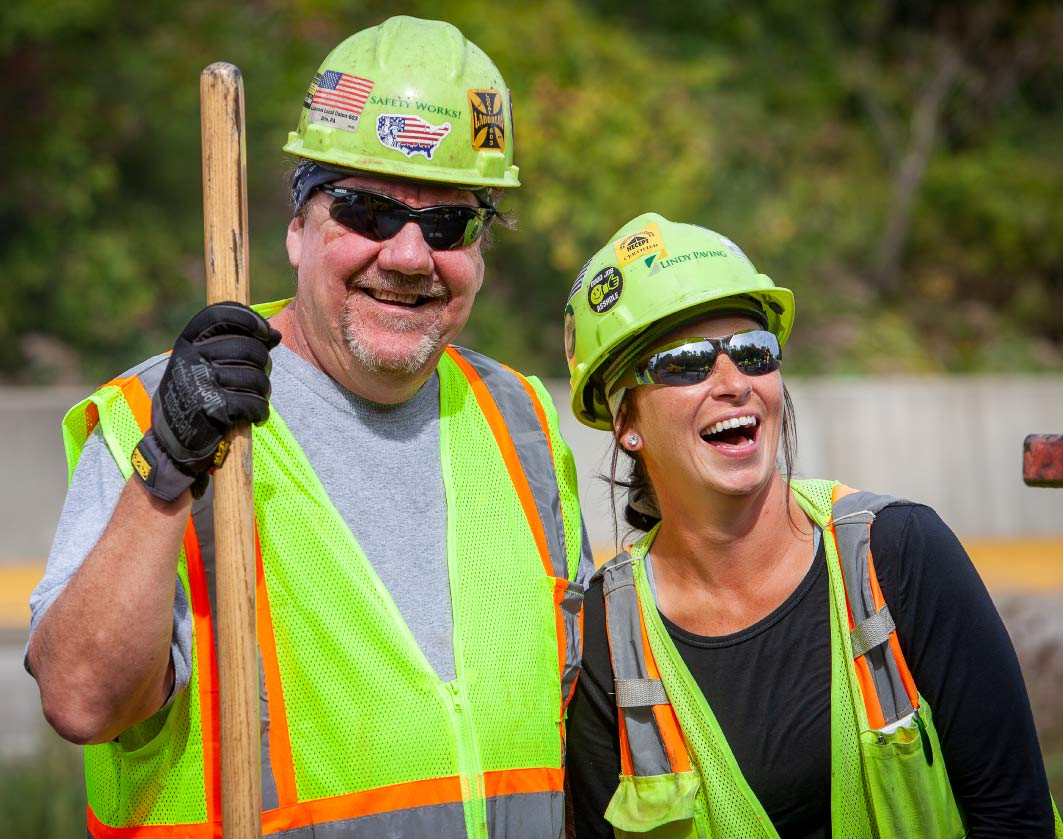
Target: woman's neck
pixel 721 563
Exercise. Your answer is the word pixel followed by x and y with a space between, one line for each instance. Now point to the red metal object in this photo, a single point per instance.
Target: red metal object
pixel 1042 460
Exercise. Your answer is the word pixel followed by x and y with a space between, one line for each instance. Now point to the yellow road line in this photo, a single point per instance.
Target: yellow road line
pixel 1006 565
pixel 16 583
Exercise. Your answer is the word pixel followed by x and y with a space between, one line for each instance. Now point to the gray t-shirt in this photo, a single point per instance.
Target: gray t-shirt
pixel 368 457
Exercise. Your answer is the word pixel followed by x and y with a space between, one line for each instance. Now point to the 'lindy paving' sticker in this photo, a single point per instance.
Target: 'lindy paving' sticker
pixel 410 134
pixel 337 99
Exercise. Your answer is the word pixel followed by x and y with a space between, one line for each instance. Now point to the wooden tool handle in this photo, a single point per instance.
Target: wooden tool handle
pixel 221 92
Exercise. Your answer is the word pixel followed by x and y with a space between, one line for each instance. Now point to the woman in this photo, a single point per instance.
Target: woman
pixel 751 669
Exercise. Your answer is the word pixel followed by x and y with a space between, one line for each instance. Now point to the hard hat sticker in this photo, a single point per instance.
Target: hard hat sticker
pixel 488 121
pixel 645 242
pixel 733 248
pixel 578 284
pixel 410 134
pixel 605 289
pixel 337 99
pixel 570 331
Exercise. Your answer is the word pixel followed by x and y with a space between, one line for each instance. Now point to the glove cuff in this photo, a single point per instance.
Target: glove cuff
pixel 161 476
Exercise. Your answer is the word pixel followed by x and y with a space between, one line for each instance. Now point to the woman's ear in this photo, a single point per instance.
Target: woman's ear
pixel 626 435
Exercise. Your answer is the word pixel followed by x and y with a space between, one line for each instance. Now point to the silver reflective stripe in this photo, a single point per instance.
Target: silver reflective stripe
pixel 270 797
pixel 537 815
pixel 872 632
pixel 522 816
pixel 852 517
pixel 203 522
pixel 624 622
pixel 533 449
pixel 639 693
pixel 439 820
pixel 571 607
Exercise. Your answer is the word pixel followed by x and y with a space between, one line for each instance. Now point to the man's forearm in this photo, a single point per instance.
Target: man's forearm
pixel 101 654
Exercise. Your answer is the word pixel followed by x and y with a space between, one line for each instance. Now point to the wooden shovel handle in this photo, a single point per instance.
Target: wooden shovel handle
pixel 226 249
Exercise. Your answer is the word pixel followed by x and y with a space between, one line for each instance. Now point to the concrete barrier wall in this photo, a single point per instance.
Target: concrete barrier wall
pixel 952 442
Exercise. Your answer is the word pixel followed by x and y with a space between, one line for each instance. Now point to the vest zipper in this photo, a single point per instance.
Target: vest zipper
pixel 468 755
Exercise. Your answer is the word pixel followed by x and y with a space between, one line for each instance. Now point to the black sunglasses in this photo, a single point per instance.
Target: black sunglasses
pixel 690 361
pixel 379 217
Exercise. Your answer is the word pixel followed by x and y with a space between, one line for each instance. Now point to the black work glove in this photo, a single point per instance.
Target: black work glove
pixel 217 376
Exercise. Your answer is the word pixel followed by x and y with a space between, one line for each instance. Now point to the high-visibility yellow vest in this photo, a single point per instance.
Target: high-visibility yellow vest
pixel 679 778
pixel 358 731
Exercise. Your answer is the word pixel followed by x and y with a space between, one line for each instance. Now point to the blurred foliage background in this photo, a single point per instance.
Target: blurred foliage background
pixel 896 163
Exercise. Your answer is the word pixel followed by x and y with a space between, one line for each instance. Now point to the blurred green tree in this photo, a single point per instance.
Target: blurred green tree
pixel 896 164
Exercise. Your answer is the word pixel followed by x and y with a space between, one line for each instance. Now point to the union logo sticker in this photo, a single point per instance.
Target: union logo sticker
pixel 643 243
pixel 488 120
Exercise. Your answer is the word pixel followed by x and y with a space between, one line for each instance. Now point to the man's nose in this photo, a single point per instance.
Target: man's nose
pixel 406 252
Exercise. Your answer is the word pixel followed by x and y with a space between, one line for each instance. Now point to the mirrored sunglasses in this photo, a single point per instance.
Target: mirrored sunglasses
pixel 379 217
pixel 691 360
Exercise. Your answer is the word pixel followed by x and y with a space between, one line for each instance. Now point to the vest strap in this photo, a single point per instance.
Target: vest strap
pixel 886 685
pixel 872 632
pixel 639 693
pixel 651 742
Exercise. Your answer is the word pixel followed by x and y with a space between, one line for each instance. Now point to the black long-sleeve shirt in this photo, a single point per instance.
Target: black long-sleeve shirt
pixel 769 687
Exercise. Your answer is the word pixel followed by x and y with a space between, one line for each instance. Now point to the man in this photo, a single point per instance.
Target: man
pixel 416 517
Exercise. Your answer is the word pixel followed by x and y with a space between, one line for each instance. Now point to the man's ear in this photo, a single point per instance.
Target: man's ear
pixel 294 241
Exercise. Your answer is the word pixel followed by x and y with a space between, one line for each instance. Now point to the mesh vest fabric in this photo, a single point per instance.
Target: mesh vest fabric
pixel 878 783
pixel 359 724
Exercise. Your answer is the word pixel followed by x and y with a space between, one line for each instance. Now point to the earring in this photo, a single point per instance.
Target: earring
pixel 632 440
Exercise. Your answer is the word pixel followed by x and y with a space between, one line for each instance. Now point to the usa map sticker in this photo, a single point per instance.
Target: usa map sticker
pixel 488 121
pixel 410 134
pixel 337 99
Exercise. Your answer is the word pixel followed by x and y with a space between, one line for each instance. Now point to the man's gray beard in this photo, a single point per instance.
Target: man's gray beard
pixel 375 362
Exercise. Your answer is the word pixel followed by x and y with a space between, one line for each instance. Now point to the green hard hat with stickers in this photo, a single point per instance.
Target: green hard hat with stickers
pixel 653 275
pixel 410 98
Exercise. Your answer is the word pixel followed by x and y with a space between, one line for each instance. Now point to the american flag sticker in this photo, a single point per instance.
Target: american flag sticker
pixel 410 134
pixel 337 99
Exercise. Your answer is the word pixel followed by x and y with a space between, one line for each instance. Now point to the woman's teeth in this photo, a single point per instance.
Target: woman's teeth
pixel 724 425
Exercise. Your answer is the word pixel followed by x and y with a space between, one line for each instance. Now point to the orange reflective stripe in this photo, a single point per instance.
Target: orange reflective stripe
pixel 203 830
pixel 207 666
pixel 667 721
pixel 366 803
pixel 868 692
pixel 280 744
pixel 92 418
pixel 895 644
pixel 523 781
pixel 873 708
pixel 509 455
pixel 136 398
pixel 559 586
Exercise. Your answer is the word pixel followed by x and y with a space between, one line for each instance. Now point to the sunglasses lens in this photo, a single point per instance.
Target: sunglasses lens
pixel 379 217
pixel 685 365
pixel 450 227
pixel 754 353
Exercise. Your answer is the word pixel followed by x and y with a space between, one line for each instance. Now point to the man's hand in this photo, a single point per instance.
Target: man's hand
pixel 217 376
